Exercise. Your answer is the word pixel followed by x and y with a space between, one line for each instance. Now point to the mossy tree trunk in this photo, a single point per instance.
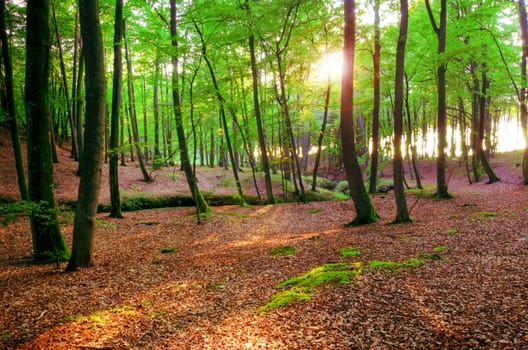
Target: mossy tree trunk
pixel 92 157
pixel 47 239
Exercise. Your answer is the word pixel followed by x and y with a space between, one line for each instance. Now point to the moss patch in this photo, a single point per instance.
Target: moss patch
pixel 301 288
pixel 350 251
pixel 284 250
pixel 393 266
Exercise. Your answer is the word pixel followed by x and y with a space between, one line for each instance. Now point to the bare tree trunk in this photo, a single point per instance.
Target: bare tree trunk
pixel 376 108
pixel 201 204
pixel 11 110
pixel 132 114
pixel 402 213
pixel 92 156
pixel 76 149
pixel 522 93
pixel 117 91
pixel 365 212
pixel 441 163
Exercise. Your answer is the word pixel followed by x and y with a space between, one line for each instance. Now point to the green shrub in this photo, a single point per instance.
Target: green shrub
pixel 342 186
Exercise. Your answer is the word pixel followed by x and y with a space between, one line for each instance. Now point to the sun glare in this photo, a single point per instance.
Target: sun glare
pixel 331 64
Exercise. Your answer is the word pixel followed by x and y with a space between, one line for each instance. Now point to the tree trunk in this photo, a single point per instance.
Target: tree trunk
pixel 76 147
pixel 92 156
pixel 376 108
pixel 11 110
pixel 221 102
pixel 492 177
pixel 201 204
pixel 365 212
pixel 522 95
pixel 157 153
pixel 258 116
pixel 402 213
pixel 117 90
pixel 133 116
pixel 441 163
pixel 322 131
pixel 48 243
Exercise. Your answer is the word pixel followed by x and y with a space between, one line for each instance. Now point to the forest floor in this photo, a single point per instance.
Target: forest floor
pixel 470 290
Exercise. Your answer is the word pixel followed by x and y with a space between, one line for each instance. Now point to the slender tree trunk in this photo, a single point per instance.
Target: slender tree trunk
pixel 410 140
pixel 11 110
pixel 76 149
pixel 145 121
pixel 92 156
pixel 492 177
pixel 441 163
pixel 376 108
pixel 201 204
pixel 117 90
pixel 402 213
pixel 132 113
pixel 157 153
pixel 522 95
pixel 48 243
pixel 322 132
pixel 223 118
pixel 365 212
pixel 258 116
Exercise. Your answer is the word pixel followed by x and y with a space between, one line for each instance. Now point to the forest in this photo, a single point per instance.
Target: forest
pixel 279 174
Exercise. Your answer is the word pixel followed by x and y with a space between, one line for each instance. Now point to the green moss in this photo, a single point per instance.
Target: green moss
pixel 286 297
pixel 316 210
pixel 393 266
pixel 339 273
pixel 284 250
pixel 440 249
pixel 340 196
pixel 484 215
pixel 451 231
pixel 301 288
pixel 350 251
pixel 166 250
pixel 425 192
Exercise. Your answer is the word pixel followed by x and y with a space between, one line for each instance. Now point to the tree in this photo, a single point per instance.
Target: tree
pixel 258 115
pixel 117 90
pixel 92 156
pixel 522 93
pixel 376 100
pixel 402 214
pixel 365 212
pixel 48 242
pixel 10 101
pixel 441 163
pixel 201 204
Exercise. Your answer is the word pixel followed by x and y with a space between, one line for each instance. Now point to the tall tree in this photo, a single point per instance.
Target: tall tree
pixel 365 212
pixel 440 30
pixel 92 156
pixel 523 21
pixel 10 101
pixel 402 214
pixel 117 91
pixel 201 204
pixel 47 239
pixel 376 100
pixel 132 111
pixel 258 114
